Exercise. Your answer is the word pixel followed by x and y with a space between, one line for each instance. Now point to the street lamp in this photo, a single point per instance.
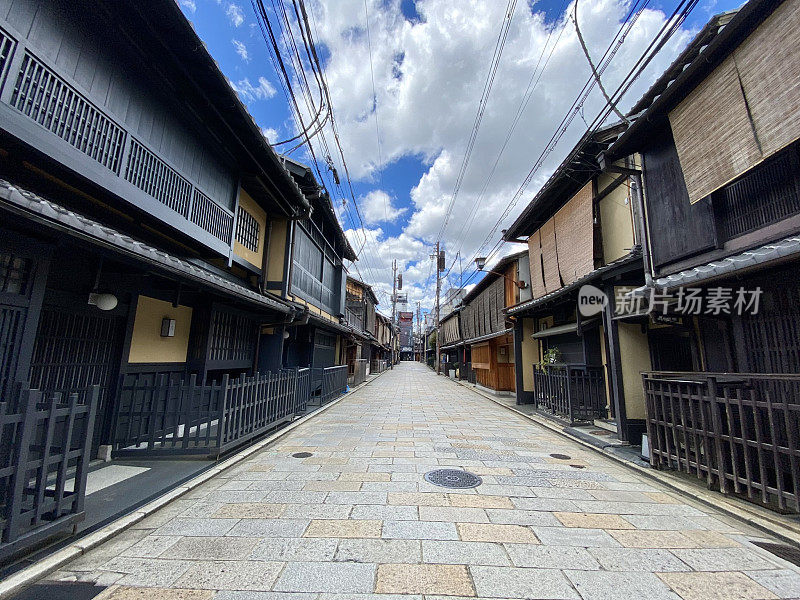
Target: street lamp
pixel 480 263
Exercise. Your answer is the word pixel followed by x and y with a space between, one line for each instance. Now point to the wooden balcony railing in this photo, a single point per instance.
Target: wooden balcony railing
pixel 738 431
pixel 574 392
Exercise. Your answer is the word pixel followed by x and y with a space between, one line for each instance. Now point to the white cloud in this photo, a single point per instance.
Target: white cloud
pixel 251 93
pixel 189 5
pixel 429 74
pixel 270 133
pixel 235 14
pixel 377 207
pixel 241 50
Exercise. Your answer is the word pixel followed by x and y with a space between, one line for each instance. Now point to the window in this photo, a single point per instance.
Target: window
pixel 14 274
pixel 247 230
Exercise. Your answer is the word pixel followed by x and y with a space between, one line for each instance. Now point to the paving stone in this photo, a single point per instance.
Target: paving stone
pixel 449 580
pixel 385 513
pixel 593 521
pixel 575 536
pixel 653 539
pixel 551 557
pixel 453 514
pixel 545 504
pixel 522 517
pixel 269 528
pixel 603 585
pixel 479 501
pixel 379 551
pixel 231 575
pixel 197 527
pixel 356 498
pixel 317 511
pixel 638 508
pixel 296 497
pixel 249 510
pixel 724 559
pixel 333 486
pixel 505 582
pixel 142 593
pixel 638 559
pixel 710 539
pixel 480 532
pixel 344 528
pixel 419 530
pixel 365 477
pixel 464 553
pixel 783 582
pixel 663 522
pixel 347 578
pixel 716 586
pixel 419 499
pixel 148 572
pixel 211 548
pixel 253 595
pixel 151 546
pixel 233 497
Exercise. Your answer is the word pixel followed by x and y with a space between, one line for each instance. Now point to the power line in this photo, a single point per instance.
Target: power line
pixel 482 102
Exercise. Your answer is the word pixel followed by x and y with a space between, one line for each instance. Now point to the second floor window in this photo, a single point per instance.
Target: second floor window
pixel 247 230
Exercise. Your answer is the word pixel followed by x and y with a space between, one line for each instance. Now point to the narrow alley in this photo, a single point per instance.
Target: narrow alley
pixel 339 508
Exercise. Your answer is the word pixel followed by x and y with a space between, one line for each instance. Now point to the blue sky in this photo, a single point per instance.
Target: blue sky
pixel 429 62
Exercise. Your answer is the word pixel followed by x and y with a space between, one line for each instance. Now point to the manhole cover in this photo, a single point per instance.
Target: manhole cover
pixel 560 456
pixel 302 454
pixel 453 478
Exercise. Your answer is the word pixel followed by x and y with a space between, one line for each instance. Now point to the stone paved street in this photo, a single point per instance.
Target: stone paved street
pixel 357 518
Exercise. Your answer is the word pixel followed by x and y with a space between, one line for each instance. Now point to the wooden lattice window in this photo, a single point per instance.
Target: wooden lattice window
pixel 14 274
pixel 247 230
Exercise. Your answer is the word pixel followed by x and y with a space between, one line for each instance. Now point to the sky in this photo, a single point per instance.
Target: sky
pixel 406 78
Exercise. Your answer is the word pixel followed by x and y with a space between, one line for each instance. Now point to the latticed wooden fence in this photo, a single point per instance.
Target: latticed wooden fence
pixel 165 415
pixel 45 446
pixel 574 392
pixel 739 432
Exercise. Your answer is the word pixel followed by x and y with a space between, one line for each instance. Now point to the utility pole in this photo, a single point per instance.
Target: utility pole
pixel 438 288
pixel 394 304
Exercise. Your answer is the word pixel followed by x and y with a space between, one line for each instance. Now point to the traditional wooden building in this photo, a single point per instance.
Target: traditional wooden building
pixel 360 316
pixel 158 261
pixel 719 136
pixel 484 327
pixel 455 354
pixel 580 230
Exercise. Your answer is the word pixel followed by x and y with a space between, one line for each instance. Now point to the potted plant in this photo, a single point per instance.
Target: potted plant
pixel 552 356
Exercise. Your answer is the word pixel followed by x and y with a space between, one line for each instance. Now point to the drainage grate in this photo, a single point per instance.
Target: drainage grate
pixel 560 456
pixel 453 478
pixel 577 466
pixel 302 454
pixel 787 553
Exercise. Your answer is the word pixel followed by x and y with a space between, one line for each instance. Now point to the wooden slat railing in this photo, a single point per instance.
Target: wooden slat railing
pixel 738 431
pixel 45 442
pixel 574 392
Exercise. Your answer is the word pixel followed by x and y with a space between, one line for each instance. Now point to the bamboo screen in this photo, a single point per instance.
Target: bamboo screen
pixel 562 250
pixel 747 109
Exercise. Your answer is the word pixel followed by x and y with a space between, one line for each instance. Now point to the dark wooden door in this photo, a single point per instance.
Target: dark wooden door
pixel 23 272
pixel 75 349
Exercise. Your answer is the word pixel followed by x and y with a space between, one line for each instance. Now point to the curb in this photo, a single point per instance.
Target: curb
pixel 20 580
pixel 753 515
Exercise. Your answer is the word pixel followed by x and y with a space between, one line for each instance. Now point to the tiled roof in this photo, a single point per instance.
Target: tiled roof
pixel 26 202
pixel 785 248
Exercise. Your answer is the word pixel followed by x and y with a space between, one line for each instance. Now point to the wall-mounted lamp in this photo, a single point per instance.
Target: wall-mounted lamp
pixel 285 335
pixel 103 301
pixel 167 327
pixel 480 263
